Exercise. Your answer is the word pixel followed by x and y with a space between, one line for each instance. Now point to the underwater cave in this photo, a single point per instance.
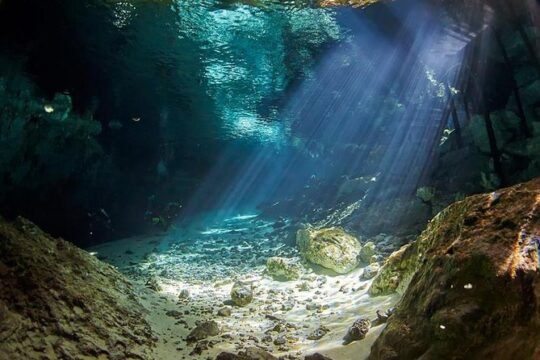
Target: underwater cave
pixel 269 179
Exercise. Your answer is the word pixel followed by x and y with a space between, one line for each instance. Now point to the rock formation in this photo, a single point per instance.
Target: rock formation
pixel 57 301
pixel 331 248
pixel 471 280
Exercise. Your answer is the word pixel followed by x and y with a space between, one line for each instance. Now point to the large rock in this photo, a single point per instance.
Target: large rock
pixel 331 248
pixel 474 292
pixel 59 302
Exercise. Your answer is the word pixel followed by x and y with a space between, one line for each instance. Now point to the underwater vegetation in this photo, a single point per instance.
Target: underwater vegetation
pixel 267 179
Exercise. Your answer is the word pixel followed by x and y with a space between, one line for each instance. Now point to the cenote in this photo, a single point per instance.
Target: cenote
pixel 269 179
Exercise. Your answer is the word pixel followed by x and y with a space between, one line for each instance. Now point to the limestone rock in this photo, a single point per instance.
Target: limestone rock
pixel 331 248
pixel 225 311
pixel 475 289
pixel 318 333
pixel 204 330
pixel 396 272
pixel 241 293
pixel 58 301
pixel 283 269
pixel 184 294
pixel 358 330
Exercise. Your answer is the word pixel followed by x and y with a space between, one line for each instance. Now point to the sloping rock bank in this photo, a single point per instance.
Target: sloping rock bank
pixel 472 282
pixel 59 302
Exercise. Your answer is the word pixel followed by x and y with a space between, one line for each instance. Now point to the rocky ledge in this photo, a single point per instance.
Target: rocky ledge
pixel 59 302
pixel 470 282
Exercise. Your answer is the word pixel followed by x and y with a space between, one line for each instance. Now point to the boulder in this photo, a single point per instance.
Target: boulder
pixel 241 293
pixel 472 282
pixel 331 248
pixel 283 269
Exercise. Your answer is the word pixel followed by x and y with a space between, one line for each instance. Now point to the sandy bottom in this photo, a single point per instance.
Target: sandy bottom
pixel 207 261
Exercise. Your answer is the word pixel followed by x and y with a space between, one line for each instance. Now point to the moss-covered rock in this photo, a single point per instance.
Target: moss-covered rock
pixel 283 269
pixel 396 273
pixel 471 281
pixel 331 248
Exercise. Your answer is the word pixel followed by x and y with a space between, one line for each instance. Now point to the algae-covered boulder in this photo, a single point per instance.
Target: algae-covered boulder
pixel 283 269
pixel 241 293
pixel 331 248
pixel 473 282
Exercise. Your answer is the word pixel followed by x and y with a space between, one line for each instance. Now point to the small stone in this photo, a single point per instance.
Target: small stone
pixel 362 287
pixel 358 330
pixel 204 330
pixel 304 286
pixel 280 340
pixel 367 251
pixel 288 306
pixel 241 294
pixel 199 348
pixel 316 356
pixel 225 311
pixel 184 294
pixel 318 333
pixel 153 284
pixel 370 271
pixel 283 269
pixel 267 338
pixel 381 317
